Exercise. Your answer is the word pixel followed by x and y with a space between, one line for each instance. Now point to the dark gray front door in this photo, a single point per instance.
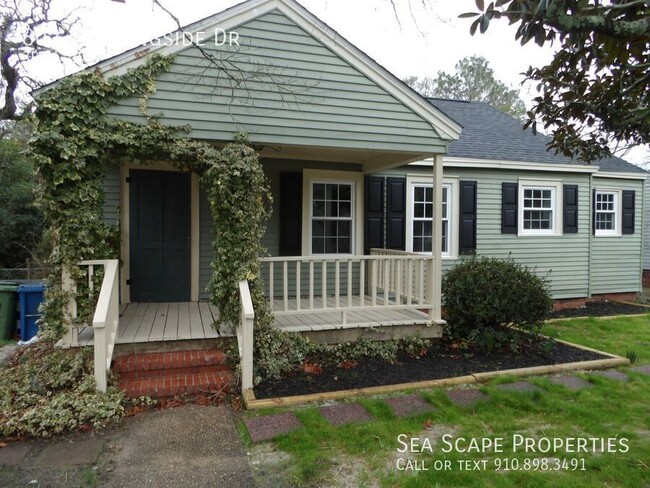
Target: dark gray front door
pixel 160 236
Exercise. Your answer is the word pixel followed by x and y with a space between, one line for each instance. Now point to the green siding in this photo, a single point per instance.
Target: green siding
pixel 111 187
pixel 296 91
pixel 646 240
pixel 616 261
pixel 564 257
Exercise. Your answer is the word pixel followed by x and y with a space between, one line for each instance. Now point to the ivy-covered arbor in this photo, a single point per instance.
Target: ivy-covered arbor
pixel 76 142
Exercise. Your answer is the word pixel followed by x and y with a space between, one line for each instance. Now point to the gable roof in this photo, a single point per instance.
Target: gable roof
pixel 232 17
pixel 491 134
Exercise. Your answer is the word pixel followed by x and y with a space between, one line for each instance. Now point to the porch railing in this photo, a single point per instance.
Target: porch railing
pixel 106 317
pixel 245 336
pixel 303 284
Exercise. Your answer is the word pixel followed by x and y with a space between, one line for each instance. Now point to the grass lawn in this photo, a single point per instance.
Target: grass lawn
pixel 367 454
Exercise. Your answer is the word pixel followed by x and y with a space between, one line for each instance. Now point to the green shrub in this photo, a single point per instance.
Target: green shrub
pixel 485 297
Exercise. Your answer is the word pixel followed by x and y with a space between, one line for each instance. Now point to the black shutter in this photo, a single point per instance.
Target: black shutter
pixel 509 208
pixel 374 212
pixel 593 212
pixel 396 214
pixel 570 216
pixel 290 214
pixel 628 211
pixel 467 228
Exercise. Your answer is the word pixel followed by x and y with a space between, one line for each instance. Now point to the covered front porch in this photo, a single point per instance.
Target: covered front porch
pixel 312 295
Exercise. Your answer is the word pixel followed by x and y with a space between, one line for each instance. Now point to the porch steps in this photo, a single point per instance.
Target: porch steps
pixel 165 374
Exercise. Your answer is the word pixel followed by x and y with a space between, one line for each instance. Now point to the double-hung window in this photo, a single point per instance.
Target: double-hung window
pixel 606 209
pixel 422 215
pixel 538 209
pixel 331 218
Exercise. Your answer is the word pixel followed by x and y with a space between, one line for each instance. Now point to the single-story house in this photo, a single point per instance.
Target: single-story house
pixel 355 161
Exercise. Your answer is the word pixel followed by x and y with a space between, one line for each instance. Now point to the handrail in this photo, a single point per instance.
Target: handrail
pixel 245 336
pixel 347 283
pixel 106 318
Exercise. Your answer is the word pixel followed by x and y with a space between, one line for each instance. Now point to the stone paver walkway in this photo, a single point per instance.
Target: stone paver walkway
pixel 270 426
pixel 519 387
pixel 408 405
pixel 571 382
pixel 612 375
pixel 345 413
pixel 645 369
pixel 466 398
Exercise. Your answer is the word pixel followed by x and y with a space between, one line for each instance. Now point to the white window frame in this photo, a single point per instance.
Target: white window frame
pixel 616 232
pixel 310 177
pixel 556 207
pixel 452 184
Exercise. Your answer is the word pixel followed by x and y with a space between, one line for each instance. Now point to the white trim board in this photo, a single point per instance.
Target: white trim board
pixel 452 162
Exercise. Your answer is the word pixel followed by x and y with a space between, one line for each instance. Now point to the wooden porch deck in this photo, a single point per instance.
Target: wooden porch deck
pixel 158 322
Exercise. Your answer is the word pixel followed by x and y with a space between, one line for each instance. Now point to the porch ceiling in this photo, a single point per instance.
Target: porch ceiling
pixel 370 160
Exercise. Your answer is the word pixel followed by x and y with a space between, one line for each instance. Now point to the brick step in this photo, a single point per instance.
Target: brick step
pixel 152 373
pixel 167 385
pixel 158 361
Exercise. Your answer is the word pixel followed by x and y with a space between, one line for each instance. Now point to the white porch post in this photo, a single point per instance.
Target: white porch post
pixel 435 265
pixel 71 336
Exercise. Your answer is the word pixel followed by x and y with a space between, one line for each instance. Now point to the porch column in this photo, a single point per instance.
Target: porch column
pixel 435 266
pixel 71 336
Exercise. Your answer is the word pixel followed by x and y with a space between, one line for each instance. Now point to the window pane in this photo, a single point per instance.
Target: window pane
pixel 344 209
pixel 317 245
pixel 319 208
pixel 332 192
pixel 318 228
pixel 331 228
pixel 417 244
pixel 345 229
pixel 429 194
pixel 345 192
pixel 330 245
pixel 428 210
pixel 426 246
pixel 319 191
pixel 344 245
pixel 332 209
pixel 419 194
pixel 445 243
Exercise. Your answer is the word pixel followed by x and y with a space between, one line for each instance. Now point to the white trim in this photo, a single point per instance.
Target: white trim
pixel 455 162
pixel 557 204
pixel 618 212
pixel 623 176
pixel 246 11
pixel 354 178
pixel 453 208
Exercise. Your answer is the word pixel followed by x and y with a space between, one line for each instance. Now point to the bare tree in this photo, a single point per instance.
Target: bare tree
pixel 28 29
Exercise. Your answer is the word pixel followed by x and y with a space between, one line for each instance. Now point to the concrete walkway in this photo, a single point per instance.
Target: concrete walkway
pixel 189 446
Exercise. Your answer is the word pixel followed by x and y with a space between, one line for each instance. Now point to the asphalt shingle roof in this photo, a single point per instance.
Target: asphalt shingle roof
pixel 490 134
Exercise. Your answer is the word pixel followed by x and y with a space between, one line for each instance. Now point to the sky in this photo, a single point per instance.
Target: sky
pixel 420 38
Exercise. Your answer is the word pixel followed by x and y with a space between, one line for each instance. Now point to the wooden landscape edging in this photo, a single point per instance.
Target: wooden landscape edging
pixel 612 361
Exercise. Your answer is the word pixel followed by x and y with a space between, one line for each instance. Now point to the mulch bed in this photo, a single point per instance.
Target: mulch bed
pixel 441 360
pixel 600 309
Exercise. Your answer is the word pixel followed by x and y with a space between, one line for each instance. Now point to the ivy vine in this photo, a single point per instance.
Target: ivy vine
pixel 75 142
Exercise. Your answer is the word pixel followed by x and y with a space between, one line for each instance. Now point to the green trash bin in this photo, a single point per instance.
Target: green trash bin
pixel 7 309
